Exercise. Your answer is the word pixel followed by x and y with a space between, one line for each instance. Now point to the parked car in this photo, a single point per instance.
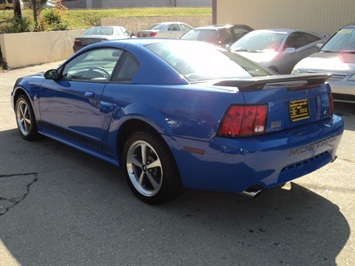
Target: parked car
pixel 278 49
pixel 99 34
pixel 223 35
pixel 337 56
pixel 165 30
pixel 171 119
pixel 8 4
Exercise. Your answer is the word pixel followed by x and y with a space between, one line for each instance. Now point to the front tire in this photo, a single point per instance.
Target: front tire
pixel 25 118
pixel 150 168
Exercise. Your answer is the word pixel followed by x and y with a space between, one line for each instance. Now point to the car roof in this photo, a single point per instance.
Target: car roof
pixel 119 43
pixel 220 26
pixel 352 25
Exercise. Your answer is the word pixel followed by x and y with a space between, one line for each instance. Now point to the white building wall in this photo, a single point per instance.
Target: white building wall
pixel 316 15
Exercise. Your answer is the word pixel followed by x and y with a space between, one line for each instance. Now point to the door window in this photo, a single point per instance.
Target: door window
pixel 95 65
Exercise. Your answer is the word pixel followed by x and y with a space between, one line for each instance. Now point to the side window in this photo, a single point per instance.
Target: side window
pixel 296 40
pixel 184 27
pixel 311 38
pixel 224 37
pixel 239 33
pixel 94 65
pixel 127 69
pixel 173 27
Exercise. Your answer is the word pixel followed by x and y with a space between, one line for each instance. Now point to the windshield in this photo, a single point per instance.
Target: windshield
pixel 259 41
pixel 342 41
pixel 198 61
pixel 200 35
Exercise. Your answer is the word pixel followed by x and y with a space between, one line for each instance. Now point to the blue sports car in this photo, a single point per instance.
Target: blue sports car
pixel 180 114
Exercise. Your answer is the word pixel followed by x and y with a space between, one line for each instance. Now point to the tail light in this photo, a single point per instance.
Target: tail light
pixel 244 120
pixel 77 42
pixel 152 34
pixel 331 103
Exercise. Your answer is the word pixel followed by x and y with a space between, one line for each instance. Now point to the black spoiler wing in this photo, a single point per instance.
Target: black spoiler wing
pixel 267 82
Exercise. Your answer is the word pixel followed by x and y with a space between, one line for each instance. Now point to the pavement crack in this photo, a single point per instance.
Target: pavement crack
pixel 14 189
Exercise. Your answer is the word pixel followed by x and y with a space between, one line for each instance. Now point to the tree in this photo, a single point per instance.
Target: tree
pixel 37 7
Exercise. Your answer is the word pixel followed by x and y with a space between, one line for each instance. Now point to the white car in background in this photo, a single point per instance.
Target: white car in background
pixel 173 30
pixel 337 57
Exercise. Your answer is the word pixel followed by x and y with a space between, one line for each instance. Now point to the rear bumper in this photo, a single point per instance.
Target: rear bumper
pixel 265 161
pixel 343 91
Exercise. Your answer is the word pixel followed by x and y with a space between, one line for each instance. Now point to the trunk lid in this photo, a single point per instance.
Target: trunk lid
pixel 292 100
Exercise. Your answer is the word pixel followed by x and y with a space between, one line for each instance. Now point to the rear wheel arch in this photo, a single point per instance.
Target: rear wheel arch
pixel 130 127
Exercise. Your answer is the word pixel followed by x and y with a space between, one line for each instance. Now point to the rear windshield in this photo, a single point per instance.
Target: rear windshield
pixel 99 31
pixel 198 61
pixel 199 35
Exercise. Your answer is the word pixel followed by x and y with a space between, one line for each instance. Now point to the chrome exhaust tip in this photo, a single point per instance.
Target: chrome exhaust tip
pixel 251 192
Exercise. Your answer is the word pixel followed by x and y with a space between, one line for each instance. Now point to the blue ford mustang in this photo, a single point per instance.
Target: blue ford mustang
pixel 179 114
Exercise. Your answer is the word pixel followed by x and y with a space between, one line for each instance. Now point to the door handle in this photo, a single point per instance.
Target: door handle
pixel 89 94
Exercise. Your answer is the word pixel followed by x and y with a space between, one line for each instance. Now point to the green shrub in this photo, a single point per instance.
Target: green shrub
pixel 53 20
pixel 16 25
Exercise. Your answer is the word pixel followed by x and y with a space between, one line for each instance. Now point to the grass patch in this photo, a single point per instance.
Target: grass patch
pixel 85 18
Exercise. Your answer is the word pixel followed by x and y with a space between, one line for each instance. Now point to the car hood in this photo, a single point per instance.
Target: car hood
pixel 328 62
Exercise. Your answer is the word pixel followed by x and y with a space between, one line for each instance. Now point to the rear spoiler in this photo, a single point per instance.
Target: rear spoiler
pixel 297 81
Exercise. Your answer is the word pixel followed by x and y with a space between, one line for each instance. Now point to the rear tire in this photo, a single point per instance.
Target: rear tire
pixel 150 168
pixel 25 118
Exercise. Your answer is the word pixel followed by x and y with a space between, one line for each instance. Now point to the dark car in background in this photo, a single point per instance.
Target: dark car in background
pixel 99 34
pixel 337 57
pixel 278 49
pixel 222 35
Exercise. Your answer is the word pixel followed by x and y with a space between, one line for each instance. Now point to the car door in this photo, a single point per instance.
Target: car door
pixel 70 107
pixel 304 45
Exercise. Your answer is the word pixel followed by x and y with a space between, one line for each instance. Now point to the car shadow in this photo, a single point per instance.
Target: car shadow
pixel 78 210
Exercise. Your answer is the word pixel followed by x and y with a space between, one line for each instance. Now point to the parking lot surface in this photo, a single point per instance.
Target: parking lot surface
pixel 59 206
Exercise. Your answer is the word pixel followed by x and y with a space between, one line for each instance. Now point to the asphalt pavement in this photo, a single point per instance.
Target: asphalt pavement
pixel 59 206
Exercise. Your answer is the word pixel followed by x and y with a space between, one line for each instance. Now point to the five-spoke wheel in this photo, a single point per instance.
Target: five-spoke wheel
pixel 25 118
pixel 150 168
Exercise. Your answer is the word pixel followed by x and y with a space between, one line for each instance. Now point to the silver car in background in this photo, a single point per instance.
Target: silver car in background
pixel 173 30
pixel 278 49
pixel 337 57
pixel 99 34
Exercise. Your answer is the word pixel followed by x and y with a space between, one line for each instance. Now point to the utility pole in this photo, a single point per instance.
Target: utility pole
pixel 17 9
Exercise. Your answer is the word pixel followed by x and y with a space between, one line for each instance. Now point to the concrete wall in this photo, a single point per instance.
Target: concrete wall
pixel 33 48
pixel 324 16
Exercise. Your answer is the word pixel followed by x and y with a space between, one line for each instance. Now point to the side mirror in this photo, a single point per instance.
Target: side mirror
pixel 51 74
pixel 289 50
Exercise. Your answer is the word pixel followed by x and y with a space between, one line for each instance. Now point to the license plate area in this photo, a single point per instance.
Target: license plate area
pixel 299 110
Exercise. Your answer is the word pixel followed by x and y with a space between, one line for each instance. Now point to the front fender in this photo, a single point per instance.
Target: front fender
pixel 30 87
